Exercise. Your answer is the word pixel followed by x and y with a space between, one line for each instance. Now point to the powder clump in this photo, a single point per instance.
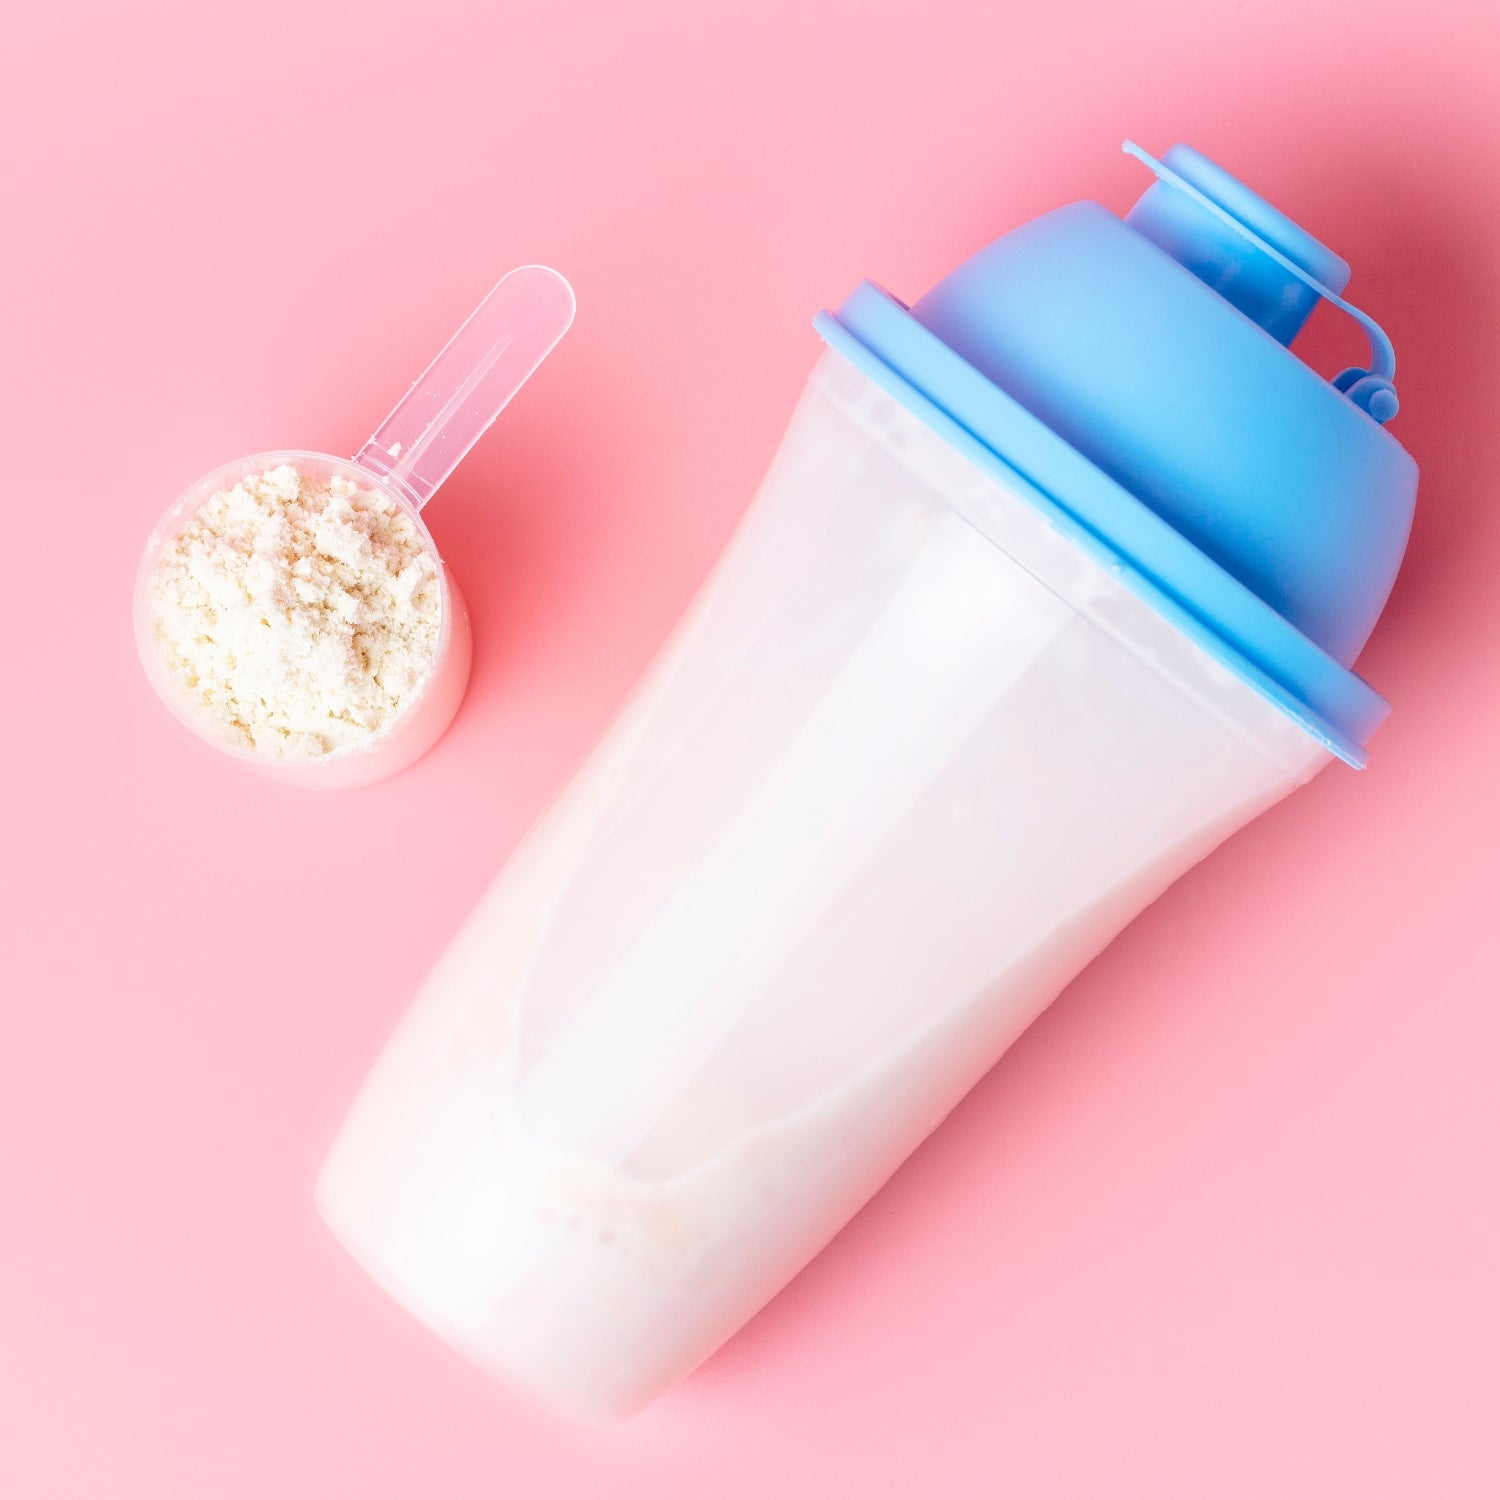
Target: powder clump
pixel 297 615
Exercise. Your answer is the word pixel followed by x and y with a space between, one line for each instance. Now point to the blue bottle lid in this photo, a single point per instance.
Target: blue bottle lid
pixel 1133 375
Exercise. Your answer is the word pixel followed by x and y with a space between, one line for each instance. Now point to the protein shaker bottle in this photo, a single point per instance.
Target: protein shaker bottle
pixel 1053 584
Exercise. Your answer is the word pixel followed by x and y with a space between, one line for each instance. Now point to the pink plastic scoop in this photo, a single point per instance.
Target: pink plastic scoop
pixel 446 411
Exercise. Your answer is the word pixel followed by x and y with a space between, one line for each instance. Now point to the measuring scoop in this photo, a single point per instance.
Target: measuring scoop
pixel 411 454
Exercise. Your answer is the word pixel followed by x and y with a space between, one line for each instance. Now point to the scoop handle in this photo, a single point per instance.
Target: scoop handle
pixel 484 364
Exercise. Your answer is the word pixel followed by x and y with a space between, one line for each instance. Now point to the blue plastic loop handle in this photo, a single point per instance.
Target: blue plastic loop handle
pixel 1373 390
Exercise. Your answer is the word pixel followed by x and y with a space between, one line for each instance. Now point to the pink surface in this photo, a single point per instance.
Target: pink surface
pixel 1223 1224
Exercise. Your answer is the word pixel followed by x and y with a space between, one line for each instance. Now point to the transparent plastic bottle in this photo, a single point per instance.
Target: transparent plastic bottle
pixel 925 743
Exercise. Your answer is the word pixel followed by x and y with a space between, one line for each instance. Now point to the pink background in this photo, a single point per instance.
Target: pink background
pixel 1223 1224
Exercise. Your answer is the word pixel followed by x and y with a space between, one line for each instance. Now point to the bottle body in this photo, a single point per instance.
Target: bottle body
pixel 909 763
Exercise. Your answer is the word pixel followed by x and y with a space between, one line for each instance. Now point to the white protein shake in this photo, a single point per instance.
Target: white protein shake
pixel 766 939
pixel 1056 580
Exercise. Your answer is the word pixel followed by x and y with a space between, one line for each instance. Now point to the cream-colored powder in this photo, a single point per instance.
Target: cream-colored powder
pixel 298 615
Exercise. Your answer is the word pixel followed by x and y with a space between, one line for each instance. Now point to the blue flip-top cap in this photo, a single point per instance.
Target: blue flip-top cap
pixel 1133 375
